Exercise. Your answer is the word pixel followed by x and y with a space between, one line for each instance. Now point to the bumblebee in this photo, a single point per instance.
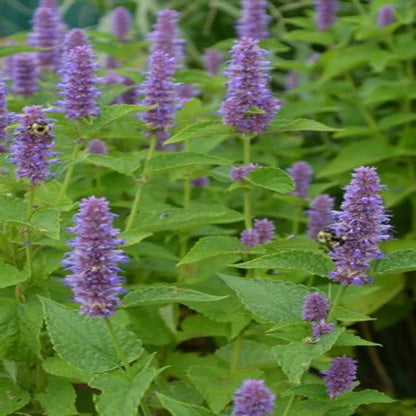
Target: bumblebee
pixel 328 237
pixel 40 129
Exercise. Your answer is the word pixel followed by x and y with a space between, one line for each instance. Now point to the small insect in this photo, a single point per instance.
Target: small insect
pixel 328 237
pixel 41 128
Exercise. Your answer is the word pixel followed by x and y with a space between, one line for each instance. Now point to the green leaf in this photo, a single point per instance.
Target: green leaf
pixel 301 124
pixel 167 161
pixel 349 339
pixel 177 408
pixel 217 384
pixel 121 396
pixel 47 221
pixel 11 397
pixel 359 398
pixel 308 261
pixel 346 315
pixel 56 366
pixel 11 276
pixel 85 342
pixel 126 165
pixel 162 295
pixel 309 36
pixel 311 391
pixel 295 358
pixel 20 325
pixel 399 261
pixel 270 300
pixel 12 209
pixel 201 129
pixel 208 247
pixel 134 237
pixel 273 179
pixel 7 50
pixel 59 398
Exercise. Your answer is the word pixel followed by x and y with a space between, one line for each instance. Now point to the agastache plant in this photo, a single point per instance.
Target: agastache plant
pixel 385 16
pixel 212 61
pixel 121 23
pixel 3 116
pixel 239 173
pixel 78 85
pixel 319 215
pixel 247 89
pixel 315 307
pixel 301 173
pixel 24 74
pixel 326 13
pixel 255 19
pixel 253 398
pixel 31 149
pixel 46 33
pixel 93 261
pixel 340 376
pixel 363 223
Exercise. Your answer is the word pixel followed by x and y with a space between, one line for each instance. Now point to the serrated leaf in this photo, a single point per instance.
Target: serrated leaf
pixel 208 247
pixel 85 342
pixel 11 397
pixel 126 165
pixel 270 300
pixel 300 124
pixel 168 161
pixel 217 384
pixel 121 396
pixel 308 261
pixel 177 408
pixel 206 129
pixel 273 179
pixel 58 398
pixel 10 275
pixel 47 221
pixel 399 261
pixel 349 339
pixel 162 295
pixel 346 315
pixel 12 209
pixel 295 358
pixel 56 366
pixel 359 398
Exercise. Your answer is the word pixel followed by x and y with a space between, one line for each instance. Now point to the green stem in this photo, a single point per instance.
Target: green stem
pixel 144 408
pixel 140 185
pixel 29 213
pixel 68 174
pixel 338 297
pixel 117 347
pixel 247 202
pixel 289 405
pixel 235 354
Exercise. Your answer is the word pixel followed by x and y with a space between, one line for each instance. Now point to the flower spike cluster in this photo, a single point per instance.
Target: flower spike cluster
pixel 319 215
pixel 212 61
pixel 3 116
pixel 326 13
pixel 253 398
pixel 24 74
pixel 93 261
pixel 254 22
pixel 385 16
pixel 340 376
pixel 247 89
pixel 31 150
pixel 261 233
pixel 363 223
pixel 78 86
pixel 301 173
pixel 121 23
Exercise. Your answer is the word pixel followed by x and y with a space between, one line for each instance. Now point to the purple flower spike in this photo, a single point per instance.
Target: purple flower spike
pixel 165 36
pixel 97 146
pixel 292 80
pixel 321 328
pixel 340 376
pixel 385 16
pixel 315 307
pixel 247 89
pixel 25 74
pixel 3 116
pixel 48 3
pixel 93 261
pixel 326 13
pixel 238 173
pixel 250 238
pixel 78 84
pixel 253 398
pixel 254 22
pixel 265 228
pixel 75 37
pixel 121 21
pixel 319 215
pixel 301 173
pixel 46 33
pixel 201 182
pixel 363 223
pixel 212 61
pixel 31 150
pixel 160 89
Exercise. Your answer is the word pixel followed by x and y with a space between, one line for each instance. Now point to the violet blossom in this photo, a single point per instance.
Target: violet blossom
pixel 93 261
pixel 121 23
pixel 24 74
pixel 301 173
pixel 253 398
pixel 247 89
pixel 97 146
pixel 319 215
pixel 340 376
pixel 385 16
pixel 326 13
pixel 315 307
pixel 250 238
pixel 265 229
pixel 238 173
pixel 321 328
pixel 212 61
pixel 255 19
pixel 31 149
pixel 3 116
pixel 200 182
pixel 363 224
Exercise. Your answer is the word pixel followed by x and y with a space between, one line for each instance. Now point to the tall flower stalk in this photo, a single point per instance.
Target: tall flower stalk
pixel 24 74
pixel 3 116
pixel 254 21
